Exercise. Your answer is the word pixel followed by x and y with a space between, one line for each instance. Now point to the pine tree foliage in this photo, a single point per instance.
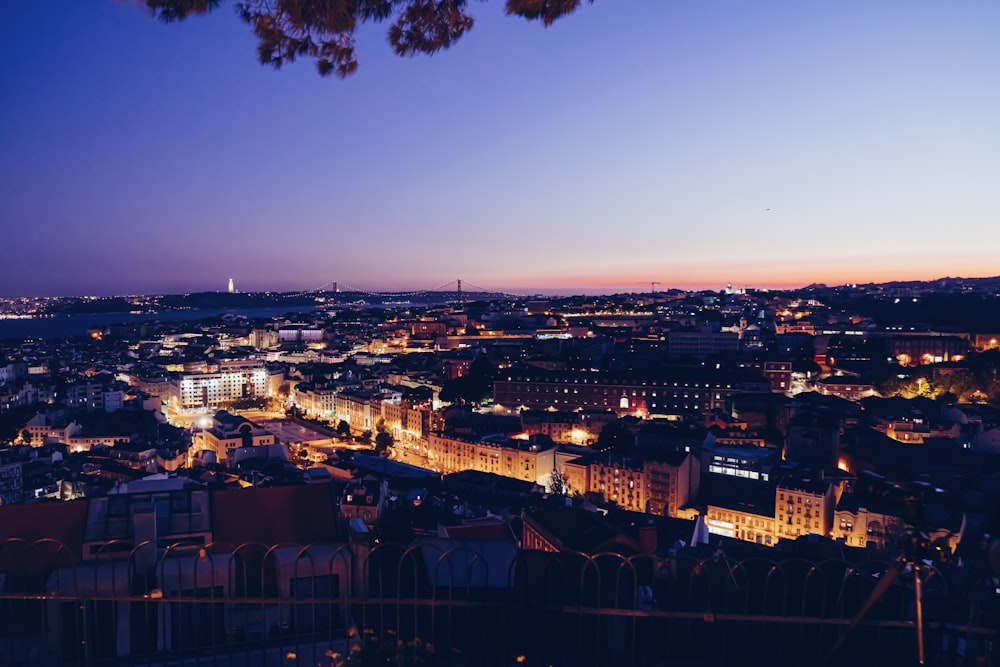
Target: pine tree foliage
pixel 324 29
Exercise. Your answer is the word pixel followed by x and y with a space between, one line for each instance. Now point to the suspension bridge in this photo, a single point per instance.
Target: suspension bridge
pixel 455 290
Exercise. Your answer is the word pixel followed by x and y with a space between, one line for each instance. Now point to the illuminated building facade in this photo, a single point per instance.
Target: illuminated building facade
pixel 678 391
pixel 316 400
pixel 394 415
pixel 420 418
pixel 918 350
pixel 660 485
pixel 864 524
pixel 671 481
pixel 803 507
pixel 11 485
pixel 233 381
pixel 263 339
pixel 779 374
pixel 427 329
pixel 915 430
pixel 742 519
pixel 360 409
pixel 848 388
pixel 300 334
pixel 620 481
pixel 363 499
pixel 986 341
pixel 753 463
pixel 228 433
pixel 577 427
pixel 500 455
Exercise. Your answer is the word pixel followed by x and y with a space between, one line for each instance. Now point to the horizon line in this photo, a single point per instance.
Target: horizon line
pixel 592 290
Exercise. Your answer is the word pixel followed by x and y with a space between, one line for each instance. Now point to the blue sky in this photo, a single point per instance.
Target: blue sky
pixel 691 142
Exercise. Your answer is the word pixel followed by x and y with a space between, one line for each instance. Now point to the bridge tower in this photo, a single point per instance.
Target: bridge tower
pixel 461 302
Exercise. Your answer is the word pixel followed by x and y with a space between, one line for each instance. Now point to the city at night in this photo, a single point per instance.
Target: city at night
pixel 345 333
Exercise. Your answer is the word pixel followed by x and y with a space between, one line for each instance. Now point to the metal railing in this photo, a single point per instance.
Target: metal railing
pixel 440 602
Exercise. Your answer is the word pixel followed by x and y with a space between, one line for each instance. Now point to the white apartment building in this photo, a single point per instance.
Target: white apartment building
pixel 234 380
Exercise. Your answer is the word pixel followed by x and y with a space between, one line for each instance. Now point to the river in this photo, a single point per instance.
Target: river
pixel 62 326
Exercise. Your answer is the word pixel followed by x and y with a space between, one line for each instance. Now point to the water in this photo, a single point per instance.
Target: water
pixel 77 325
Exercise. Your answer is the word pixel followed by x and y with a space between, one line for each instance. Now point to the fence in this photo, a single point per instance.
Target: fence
pixel 443 602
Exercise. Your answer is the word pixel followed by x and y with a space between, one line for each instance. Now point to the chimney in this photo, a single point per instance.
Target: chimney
pixel 647 539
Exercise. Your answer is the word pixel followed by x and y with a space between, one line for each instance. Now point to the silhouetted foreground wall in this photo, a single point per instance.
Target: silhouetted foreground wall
pixel 441 602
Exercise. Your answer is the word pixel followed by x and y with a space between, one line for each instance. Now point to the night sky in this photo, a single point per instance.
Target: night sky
pixel 690 142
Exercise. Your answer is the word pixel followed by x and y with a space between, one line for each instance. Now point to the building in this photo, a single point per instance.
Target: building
pixel 421 419
pixel 11 484
pixel 577 530
pixel 263 339
pixel 427 330
pixel 741 510
pixel 986 341
pixel 804 506
pixel 813 439
pixel 84 396
pixel 848 388
pixel 72 435
pixel 915 430
pixel 359 408
pixel 145 589
pixel 620 481
pixel 751 463
pixel 156 387
pixel 866 522
pixel 12 371
pixel 580 427
pixel 701 344
pixel 741 437
pixel 528 460
pixel 234 381
pixel 918 350
pixel 779 374
pixel 136 455
pixel 300 334
pixel 229 433
pixel 316 400
pixel 364 500
pixel 456 368
pixel 672 481
pixel 575 468
pixel 677 391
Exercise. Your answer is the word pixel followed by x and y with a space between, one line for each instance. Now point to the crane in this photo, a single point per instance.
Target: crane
pixel 652 286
